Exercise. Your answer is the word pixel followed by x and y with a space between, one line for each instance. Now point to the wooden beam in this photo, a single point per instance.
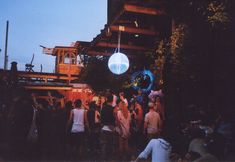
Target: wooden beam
pixel 67 49
pixel 99 36
pixel 43 87
pixel 95 53
pixel 23 74
pixel 45 76
pixel 124 46
pixel 122 21
pixel 143 10
pixel 134 30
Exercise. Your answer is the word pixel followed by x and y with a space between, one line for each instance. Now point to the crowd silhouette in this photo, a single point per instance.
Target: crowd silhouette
pixel 109 126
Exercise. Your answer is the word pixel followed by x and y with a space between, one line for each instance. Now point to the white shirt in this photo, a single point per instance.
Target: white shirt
pixel 78 120
pixel 152 118
pixel 160 150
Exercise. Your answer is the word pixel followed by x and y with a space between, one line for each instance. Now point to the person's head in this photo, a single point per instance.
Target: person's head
pixel 151 106
pixel 140 92
pixel 110 98
pixel 103 99
pixel 122 104
pixel 137 104
pixel 92 105
pixel 78 103
pixel 121 95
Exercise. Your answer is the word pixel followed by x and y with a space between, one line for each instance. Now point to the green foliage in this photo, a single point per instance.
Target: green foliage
pixel 217 14
pixel 98 76
pixel 177 39
pixel 95 73
pixel 172 50
pixel 162 48
pixel 177 42
pixel 213 12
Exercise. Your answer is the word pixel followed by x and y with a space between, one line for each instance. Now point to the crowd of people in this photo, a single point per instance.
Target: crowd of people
pixel 109 126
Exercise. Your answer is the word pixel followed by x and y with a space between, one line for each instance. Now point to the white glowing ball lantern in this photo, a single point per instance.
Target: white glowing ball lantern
pixel 118 63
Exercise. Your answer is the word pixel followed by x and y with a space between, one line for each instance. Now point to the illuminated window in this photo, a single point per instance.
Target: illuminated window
pixel 70 58
pixel 67 58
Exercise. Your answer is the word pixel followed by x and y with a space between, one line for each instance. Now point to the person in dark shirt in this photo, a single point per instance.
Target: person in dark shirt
pixel 93 137
pixel 107 131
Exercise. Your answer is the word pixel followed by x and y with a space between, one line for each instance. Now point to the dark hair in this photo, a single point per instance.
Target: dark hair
pixel 78 103
pixel 118 100
pixel 92 105
pixel 197 133
pixel 160 99
pixel 122 94
pixel 69 104
pixel 137 101
pixel 110 98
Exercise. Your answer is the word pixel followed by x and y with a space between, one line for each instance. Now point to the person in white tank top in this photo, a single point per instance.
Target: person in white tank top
pixel 78 118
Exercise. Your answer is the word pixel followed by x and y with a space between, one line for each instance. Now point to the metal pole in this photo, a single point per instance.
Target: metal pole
pixel 6 57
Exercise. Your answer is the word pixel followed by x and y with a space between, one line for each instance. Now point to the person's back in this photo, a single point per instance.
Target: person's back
pixel 124 123
pixel 107 115
pixel 160 150
pixel 198 145
pixel 78 120
pixel 138 115
pixel 107 135
pixel 91 115
pixel 153 121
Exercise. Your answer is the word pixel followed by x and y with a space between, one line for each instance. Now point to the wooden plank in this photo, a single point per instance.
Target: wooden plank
pixel 99 36
pixel 134 30
pixel 95 53
pixel 67 48
pixel 45 76
pixel 124 46
pixel 47 87
pixel 143 10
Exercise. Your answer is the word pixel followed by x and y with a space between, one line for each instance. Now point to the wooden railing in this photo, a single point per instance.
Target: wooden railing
pixel 38 76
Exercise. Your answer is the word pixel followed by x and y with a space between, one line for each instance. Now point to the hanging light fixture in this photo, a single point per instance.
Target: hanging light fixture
pixel 118 63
